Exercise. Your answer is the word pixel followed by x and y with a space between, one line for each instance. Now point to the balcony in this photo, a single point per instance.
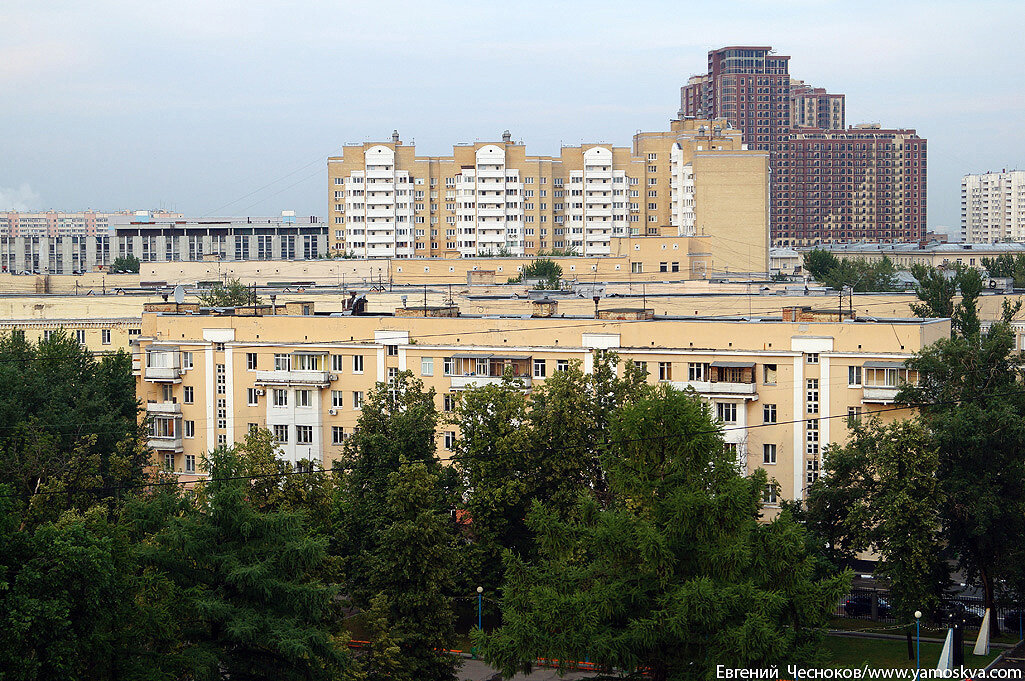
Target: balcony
pixel 165 443
pixel 879 394
pixel 467 371
pixel 172 374
pixel 319 379
pixel 163 408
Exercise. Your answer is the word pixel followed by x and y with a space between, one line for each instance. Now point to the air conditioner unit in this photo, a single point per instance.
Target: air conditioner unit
pixel 259 391
pixel 332 377
pixel 333 412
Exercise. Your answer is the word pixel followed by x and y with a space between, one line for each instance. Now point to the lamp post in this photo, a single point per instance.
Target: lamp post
pixel 480 592
pixel 918 642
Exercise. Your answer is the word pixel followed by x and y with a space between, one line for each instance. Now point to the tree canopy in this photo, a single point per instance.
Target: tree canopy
pixel 124 264
pixel 232 293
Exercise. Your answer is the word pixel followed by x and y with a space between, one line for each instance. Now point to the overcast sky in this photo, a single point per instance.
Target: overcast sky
pixel 231 108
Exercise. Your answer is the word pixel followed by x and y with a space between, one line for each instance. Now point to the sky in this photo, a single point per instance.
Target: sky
pixel 232 108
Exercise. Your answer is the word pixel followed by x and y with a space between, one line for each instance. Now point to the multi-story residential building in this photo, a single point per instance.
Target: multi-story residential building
pixel 829 184
pixel 782 386
pixel 99 335
pixel 491 197
pixel 162 237
pixel 53 223
pixel 993 206
pixel 813 107
pixel 937 254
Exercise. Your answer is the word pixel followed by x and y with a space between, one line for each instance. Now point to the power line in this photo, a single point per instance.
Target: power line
pixel 521 451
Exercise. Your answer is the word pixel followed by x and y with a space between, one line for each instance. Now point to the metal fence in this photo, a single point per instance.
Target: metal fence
pixel 876 606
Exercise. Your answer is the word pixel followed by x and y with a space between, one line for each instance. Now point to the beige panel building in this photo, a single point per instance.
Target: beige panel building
pixel 491 197
pixel 783 385
pixel 993 206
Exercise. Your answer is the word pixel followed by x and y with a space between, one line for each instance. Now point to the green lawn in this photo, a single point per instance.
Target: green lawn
pixel 847 651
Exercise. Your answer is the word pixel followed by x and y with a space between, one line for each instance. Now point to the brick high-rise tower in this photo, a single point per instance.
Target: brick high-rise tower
pixel 829 184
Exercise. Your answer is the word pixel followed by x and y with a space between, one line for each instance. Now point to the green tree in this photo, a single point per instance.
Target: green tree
pixel 936 290
pixel 545 269
pixel 68 417
pixel 411 573
pixel 1007 265
pixel 970 398
pixel 250 605
pixel 397 423
pixel 818 262
pixel 124 264
pixel 881 491
pixel 73 604
pixel 232 293
pixel 678 575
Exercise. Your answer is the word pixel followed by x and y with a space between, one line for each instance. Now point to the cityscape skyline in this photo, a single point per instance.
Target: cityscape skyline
pixel 89 125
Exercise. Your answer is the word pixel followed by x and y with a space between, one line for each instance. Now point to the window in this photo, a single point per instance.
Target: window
pixel 769 453
pixel 252 398
pixel 731 448
pixel 282 362
pixel 281 434
pixel 562 365
pixel 813 437
pixel 768 413
pixel 280 397
pixel 769 495
pixel 189 394
pixel 190 463
pixel 426 366
pixel 336 362
pixel 853 415
pixel 187 360
pixel 357 399
pixel 697 371
pixel 253 427
pixel 726 412
pixel 221 378
pixel 450 440
pixel 337 435
pixel 448 402
pixel 105 336
pixel 162 427
pixel 251 361
pixel 302 398
pixel 853 375
pixel 393 350
pixel 222 413
pixel 665 371
pixel 190 429
pixel 357 364
pixel 769 374
pixel 304 435
pixel 813 358
pixel 336 399
pixel 539 368
pixel 813 395
pixel 304 362
pixel 674 267
pixel 636 267
pixel 663 267
pixel 169 462
pixel 80 336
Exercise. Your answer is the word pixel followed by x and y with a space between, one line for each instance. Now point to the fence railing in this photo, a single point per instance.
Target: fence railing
pixel 877 606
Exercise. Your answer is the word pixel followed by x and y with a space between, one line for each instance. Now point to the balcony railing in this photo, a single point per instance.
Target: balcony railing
pixel 166 443
pixel 315 378
pixel 163 408
pixel 718 387
pixel 879 394
pixel 163 374
pixel 463 382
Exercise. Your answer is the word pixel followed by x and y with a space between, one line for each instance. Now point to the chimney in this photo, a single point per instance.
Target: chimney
pixel 395 137
pixel 507 137
pixel 544 307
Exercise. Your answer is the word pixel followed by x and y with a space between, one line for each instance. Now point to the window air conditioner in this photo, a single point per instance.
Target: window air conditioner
pixel 259 391
pixel 332 412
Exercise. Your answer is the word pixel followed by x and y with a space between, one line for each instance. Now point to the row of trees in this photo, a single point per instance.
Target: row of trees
pixel 946 489
pixel 859 274
pixel 601 515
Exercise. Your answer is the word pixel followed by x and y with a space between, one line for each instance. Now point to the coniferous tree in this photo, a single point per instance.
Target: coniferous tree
pixel 250 605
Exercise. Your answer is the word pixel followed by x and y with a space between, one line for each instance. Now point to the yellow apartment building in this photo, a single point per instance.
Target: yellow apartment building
pixel 698 178
pixel 783 386
pixel 99 335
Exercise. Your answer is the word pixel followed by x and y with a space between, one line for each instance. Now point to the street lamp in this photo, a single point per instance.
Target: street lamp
pixel 918 642
pixel 480 591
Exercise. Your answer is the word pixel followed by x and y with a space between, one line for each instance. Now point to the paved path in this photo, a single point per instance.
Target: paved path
pixel 475 670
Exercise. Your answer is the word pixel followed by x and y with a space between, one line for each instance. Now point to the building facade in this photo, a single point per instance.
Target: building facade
pixel 783 387
pixel 993 207
pixel 829 184
pixel 162 237
pixel 54 223
pixel 492 198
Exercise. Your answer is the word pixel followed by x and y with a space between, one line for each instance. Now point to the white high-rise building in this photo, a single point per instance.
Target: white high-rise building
pixel 993 207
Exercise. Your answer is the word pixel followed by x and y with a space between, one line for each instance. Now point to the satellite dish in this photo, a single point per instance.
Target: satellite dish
pixel 179 294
